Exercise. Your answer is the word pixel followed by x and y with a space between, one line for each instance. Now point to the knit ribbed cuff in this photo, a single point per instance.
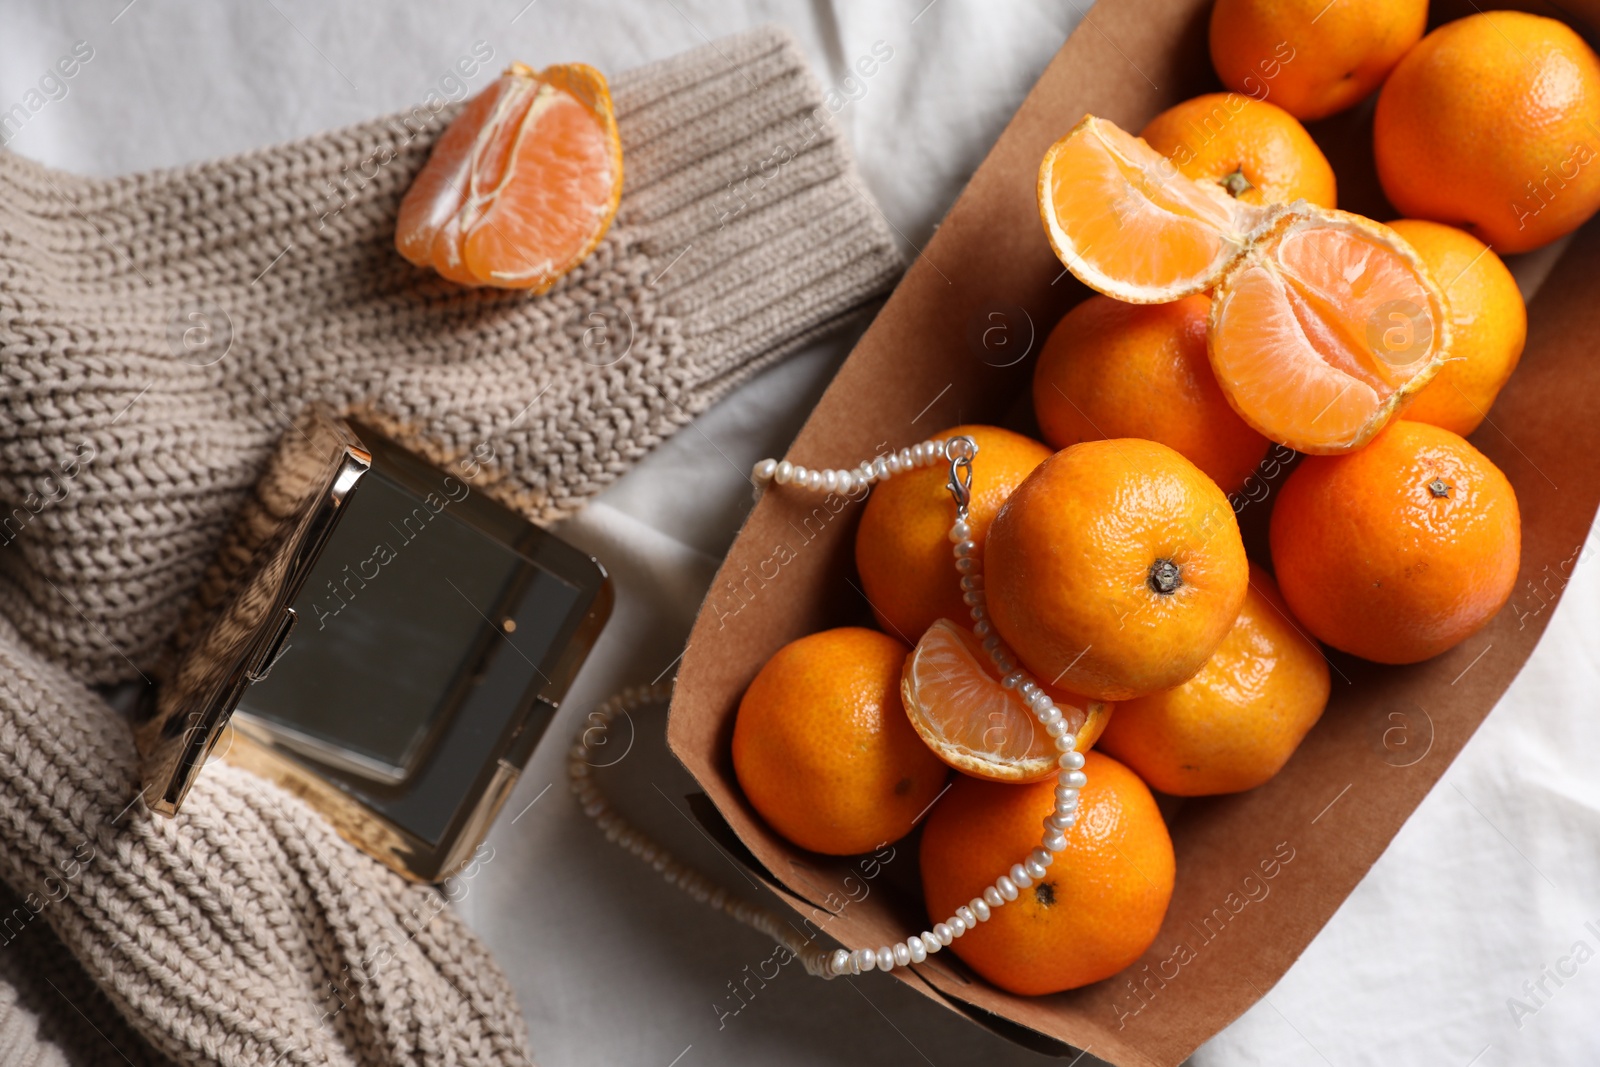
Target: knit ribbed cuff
pixel 742 178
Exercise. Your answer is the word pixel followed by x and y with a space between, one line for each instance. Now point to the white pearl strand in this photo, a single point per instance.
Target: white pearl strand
pixel 816 960
pixel 958 451
pixel 841 480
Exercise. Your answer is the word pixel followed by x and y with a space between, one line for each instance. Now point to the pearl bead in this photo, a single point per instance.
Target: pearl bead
pixel 798 475
pixel 1076 779
pixel 980 909
pixel 943 932
pixel 1034 868
pixel 917 950
pixel 814 481
pixel 1007 887
pixel 961 531
pixel 992 897
pixel 971 581
pixel 1061 820
pixel 839 962
pixel 964 548
pixel 885 958
pixel 1020 877
pixel 1011 681
pixel 957 925
pixel 1067 742
pixel 893 463
pixel 1055 729
pixel 1066 798
pixel 991 643
pixel 1072 761
pixel 1028 690
pixel 972 599
pixel 931 942
pixel 965 565
pixel 880 469
pixel 1066 768
pixel 847 482
pixel 967 916
pixel 783 473
pixel 983 628
pixel 1042 857
pixel 865 959
pixel 905 459
pixel 763 471
pixel 1056 842
pixel 902 954
pixel 979 613
pixel 830 480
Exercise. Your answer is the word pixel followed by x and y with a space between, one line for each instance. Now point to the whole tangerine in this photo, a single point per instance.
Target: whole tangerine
pixel 1488 325
pixel 1490 124
pixel 1100 903
pixel 1311 57
pixel 1399 551
pixel 1254 149
pixel 1111 369
pixel 903 545
pixel 823 749
pixel 1236 723
pixel 1115 569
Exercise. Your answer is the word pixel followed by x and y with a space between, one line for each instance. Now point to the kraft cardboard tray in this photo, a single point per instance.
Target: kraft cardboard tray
pixel 1258 873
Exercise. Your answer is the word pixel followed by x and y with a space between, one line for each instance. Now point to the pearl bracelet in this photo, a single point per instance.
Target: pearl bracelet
pixel 958 452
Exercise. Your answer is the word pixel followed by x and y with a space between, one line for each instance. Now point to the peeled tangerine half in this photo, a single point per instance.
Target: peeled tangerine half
pixel 953 696
pixel 1323 323
pixel 522 185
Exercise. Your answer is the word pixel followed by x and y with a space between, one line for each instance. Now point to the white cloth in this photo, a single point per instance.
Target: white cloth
pixel 1490 882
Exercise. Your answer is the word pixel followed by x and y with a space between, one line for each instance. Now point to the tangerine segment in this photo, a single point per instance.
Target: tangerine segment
pixel 433 202
pixel 1127 223
pixel 1324 329
pixel 560 188
pixel 953 697
pixel 523 184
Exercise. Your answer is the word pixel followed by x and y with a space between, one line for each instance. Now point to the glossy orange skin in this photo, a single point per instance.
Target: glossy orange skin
pixel 903 543
pixel 1488 325
pixel 823 749
pixel 1212 136
pixel 1111 369
pixel 1310 57
pixel 1068 569
pixel 1372 561
pixel 1490 124
pixel 1100 904
pixel 1236 723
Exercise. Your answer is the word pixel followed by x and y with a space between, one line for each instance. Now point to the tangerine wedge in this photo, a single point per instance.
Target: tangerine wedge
pixel 1129 224
pixel 954 699
pixel 1325 328
pixel 522 185
pixel 1323 324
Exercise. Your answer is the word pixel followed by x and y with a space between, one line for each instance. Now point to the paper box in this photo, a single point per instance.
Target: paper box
pixel 1258 873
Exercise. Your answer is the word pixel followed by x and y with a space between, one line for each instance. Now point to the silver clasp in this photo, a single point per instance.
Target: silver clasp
pixel 959 451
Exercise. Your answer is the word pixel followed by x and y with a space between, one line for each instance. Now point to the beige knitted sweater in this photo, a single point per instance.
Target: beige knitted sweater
pixel 157 334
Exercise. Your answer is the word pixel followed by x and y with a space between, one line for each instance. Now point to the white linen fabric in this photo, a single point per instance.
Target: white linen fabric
pixel 1468 943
